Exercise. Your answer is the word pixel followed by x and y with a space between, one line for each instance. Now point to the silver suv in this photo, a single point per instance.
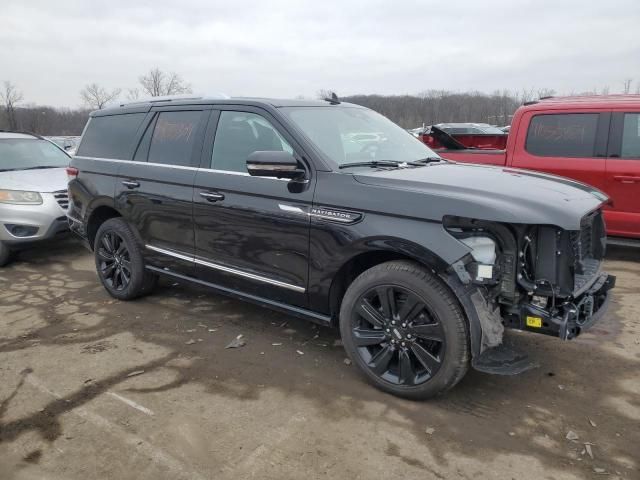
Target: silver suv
pixel 33 191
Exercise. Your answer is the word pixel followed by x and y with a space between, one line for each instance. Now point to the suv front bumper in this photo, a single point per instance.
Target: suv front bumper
pixel 46 219
pixel 571 317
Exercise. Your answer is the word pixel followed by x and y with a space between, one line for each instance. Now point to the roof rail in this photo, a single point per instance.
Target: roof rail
pixel 174 98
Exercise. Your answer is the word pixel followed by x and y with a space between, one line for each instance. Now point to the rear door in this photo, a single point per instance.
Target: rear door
pixel 155 191
pixel 252 233
pixel 623 175
pixel 569 144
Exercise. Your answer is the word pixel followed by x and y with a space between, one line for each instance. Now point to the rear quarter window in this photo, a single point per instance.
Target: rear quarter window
pixel 562 135
pixel 110 136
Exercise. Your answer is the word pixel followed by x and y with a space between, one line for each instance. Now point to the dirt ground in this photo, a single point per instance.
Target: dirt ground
pixel 95 388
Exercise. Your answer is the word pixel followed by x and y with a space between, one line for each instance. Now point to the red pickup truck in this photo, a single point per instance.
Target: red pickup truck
pixel 593 139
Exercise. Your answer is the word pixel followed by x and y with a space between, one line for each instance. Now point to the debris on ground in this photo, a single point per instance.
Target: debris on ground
pixel 213 330
pixel 561 387
pixel 200 340
pixel 587 447
pixel 429 430
pixel 190 342
pixel 593 424
pixel 347 361
pixel 512 434
pixel 237 342
pixel 191 330
pixel 136 372
pixel 202 326
pixel 600 471
pixel 276 344
pixel 299 352
pixel 571 435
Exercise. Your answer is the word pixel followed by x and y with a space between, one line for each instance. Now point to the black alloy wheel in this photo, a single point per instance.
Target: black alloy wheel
pixel 397 335
pixel 114 261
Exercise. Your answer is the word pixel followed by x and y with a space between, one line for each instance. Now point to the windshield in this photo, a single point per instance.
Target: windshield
pixel 349 134
pixel 28 153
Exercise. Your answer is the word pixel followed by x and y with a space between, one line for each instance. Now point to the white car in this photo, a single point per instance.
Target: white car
pixel 33 191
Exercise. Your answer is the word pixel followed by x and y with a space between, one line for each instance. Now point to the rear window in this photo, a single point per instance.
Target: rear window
pixel 562 135
pixel 174 137
pixel 111 136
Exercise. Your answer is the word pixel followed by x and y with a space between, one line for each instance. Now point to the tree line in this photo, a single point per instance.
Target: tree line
pixel 409 111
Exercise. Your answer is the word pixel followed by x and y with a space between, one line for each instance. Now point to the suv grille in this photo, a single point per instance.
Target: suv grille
pixel 62 197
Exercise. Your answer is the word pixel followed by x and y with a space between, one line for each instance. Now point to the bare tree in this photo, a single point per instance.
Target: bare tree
pixel 133 94
pixel 95 96
pixel 10 97
pixel 626 85
pixel 157 83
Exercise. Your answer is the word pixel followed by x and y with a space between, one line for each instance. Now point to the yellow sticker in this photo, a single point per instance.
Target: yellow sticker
pixel 535 322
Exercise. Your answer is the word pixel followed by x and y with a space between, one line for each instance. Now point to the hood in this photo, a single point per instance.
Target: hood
pixel 45 180
pixel 491 193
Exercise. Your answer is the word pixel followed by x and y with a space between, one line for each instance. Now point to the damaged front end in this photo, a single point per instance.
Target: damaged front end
pixel 538 278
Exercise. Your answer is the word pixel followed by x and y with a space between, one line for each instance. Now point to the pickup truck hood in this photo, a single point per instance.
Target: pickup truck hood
pixel 490 193
pixel 44 181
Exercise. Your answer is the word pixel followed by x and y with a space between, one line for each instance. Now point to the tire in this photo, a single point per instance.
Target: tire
pixel 119 261
pixel 5 254
pixel 405 330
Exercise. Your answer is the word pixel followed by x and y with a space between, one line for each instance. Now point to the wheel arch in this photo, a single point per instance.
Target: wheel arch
pixel 99 214
pixel 378 251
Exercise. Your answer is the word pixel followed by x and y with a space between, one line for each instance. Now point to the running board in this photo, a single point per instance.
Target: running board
pixel 265 302
pixel 623 242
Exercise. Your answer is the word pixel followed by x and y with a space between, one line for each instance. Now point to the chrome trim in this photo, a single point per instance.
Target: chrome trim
pixel 292 209
pixel 223 268
pixel 180 167
pixel 171 253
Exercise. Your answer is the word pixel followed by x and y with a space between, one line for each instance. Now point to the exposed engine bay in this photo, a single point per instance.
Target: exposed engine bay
pixel 538 278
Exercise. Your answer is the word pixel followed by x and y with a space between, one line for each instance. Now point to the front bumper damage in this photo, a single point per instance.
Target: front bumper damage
pixel 486 322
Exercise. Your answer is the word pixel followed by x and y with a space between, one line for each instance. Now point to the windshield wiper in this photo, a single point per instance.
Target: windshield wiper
pixel 379 163
pixel 431 160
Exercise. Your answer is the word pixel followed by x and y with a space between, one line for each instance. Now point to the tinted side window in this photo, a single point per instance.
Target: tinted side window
pixel 174 137
pixel 240 134
pixel 562 135
pixel 631 136
pixel 111 136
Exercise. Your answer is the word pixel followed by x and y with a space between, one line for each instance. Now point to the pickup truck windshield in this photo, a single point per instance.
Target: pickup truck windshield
pixel 29 154
pixel 351 134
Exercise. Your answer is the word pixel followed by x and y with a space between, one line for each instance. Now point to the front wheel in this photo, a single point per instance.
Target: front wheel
pixel 405 330
pixel 119 261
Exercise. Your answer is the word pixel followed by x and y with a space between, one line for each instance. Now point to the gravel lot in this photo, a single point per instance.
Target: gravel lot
pixel 95 388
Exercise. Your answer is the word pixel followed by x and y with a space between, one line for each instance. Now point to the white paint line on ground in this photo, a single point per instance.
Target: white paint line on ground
pixel 176 468
pixel 131 403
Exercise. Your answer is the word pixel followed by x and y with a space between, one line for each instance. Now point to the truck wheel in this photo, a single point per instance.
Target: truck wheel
pixel 405 330
pixel 5 254
pixel 119 261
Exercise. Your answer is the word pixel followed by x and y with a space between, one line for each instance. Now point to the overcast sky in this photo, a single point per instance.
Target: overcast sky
pixel 284 48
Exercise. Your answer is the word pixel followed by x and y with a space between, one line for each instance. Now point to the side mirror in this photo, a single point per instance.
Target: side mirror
pixel 277 164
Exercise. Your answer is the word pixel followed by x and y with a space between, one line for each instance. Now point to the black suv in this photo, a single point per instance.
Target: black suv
pixel 331 212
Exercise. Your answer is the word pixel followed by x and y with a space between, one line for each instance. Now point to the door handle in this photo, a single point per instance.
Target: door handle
pixel 212 196
pixel 130 184
pixel 626 178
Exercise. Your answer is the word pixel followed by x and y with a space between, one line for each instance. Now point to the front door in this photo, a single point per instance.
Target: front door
pixel 155 190
pixel 623 175
pixel 251 233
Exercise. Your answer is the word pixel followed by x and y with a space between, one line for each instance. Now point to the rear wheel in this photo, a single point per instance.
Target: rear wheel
pixel 119 261
pixel 405 330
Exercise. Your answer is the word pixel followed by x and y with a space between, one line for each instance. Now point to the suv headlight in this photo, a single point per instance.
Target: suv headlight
pixel 20 197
